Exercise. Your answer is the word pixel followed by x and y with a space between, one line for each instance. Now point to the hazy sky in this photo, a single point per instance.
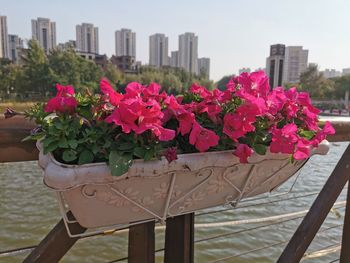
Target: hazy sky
pixel 233 34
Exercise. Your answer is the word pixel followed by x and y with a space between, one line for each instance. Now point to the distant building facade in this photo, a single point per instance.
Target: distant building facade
pixel 125 43
pixel 331 73
pixel 204 66
pixel 44 31
pixel 15 47
pixel 4 48
pixel 87 38
pixel 295 63
pixel 345 71
pixel 127 64
pixel 70 44
pixel 285 64
pixel 174 59
pixel 158 50
pixel 274 65
pixel 188 52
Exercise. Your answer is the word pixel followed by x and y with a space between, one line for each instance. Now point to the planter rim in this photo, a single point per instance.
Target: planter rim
pixel 59 176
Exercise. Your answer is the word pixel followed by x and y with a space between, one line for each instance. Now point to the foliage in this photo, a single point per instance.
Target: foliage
pixel 221 84
pixel 313 82
pixel 144 122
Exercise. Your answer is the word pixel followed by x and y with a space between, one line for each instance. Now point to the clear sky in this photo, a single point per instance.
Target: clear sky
pixel 233 33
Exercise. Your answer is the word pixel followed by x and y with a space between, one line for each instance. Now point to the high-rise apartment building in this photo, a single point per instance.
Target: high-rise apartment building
pixel 174 59
pixel 331 73
pixel 345 71
pixel 15 46
pixel 158 50
pixel 204 66
pixel 274 65
pixel 4 49
pixel 295 63
pixel 125 43
pixel 285 64
pixel 87 38
pixel 188 52
pixel 44 31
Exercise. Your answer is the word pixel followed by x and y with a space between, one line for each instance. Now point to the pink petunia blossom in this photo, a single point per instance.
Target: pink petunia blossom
pixel 322 134
pixel 303 150
pixel 243 152
pixel 203 138
pixel 61 104
pixel 284 140
pixel 113 97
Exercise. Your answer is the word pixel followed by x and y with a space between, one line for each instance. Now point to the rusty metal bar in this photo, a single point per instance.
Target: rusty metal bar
pixel 56 244
pixel 345 247
pixel 142 243
pixel 318 212
pixel 179 239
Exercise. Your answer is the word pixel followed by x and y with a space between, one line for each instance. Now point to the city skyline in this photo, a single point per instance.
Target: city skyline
pixel 230 43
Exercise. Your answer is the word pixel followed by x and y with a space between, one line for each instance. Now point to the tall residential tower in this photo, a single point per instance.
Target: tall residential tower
pixel 188 52
pixel 125 43
pixel 4 48
pixel 87 38
pixel 158 50
pixel 44 31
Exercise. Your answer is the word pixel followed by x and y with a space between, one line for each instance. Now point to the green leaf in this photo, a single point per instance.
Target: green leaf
pixel 73 143
pixel 63 143
pixel 69 155
pixel 51 147
pixel 125 146
pixel 307 134
pixel 85 157
pixel 119 162
pixel 139 152
pixel 260 149
pixel 149 154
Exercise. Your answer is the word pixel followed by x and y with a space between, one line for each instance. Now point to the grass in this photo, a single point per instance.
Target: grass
pixel 18 106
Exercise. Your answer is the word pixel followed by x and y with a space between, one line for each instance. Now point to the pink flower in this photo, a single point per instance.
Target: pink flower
pixel 203 138
pixel 255 84
pixel 243 151
pixel 201 91
pixel 113 97
pixel 64 91
pixel 63 102
pixel 171 154
pixel 284 140
pixel 322 134
pixel 236 125
pixel 125 116
pixel 302 150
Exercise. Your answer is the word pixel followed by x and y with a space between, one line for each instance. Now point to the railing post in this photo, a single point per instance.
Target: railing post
pixel 179 239
pixel 318 212
pixel 141 243
pixel 56 244
pixel 345 247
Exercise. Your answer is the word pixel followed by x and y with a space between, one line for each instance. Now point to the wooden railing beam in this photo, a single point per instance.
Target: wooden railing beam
pixel 56 244
pixel 179 239
pixel 345 247
pixel 318 212
pixel 142 243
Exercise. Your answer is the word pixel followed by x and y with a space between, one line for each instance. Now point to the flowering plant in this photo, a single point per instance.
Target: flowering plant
pixel 145 123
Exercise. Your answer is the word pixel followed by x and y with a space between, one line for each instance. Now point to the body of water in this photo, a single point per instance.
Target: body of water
pixel 28 210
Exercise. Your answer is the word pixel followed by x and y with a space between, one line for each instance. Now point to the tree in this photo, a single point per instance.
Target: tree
pixel 221 84
pixel 37 75
pixel 315 83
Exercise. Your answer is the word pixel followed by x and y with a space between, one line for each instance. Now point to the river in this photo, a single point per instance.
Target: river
pixel 28 210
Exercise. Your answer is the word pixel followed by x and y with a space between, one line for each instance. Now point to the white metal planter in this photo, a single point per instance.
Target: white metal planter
pixel 157 190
